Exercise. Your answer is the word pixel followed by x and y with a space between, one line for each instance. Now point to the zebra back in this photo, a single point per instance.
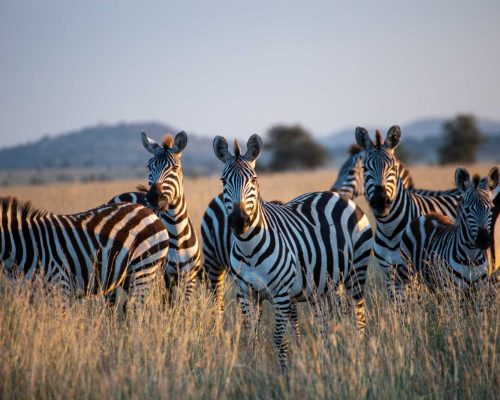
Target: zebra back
pixel 90 252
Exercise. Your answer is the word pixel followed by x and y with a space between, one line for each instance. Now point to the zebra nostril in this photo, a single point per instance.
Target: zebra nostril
pixel 154 196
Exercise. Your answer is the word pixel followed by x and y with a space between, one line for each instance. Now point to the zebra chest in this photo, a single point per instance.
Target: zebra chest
pixel 261 277
pixel 387 251
pixel 251 274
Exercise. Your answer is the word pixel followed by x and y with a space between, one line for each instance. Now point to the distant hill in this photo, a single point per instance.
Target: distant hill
pixel 105 146
pixel 415 136
pixel 105 152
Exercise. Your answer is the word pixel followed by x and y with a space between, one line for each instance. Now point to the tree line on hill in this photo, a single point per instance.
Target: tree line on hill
pixel 294 147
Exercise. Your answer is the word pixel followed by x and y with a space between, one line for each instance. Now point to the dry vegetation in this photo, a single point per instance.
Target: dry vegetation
pixel 84 350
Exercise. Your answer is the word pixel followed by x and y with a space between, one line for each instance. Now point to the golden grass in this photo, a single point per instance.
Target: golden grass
pixel 55 349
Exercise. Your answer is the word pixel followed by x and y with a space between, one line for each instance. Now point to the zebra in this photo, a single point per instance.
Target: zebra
pixel 291 252
pixel 435 246
pixel 216 233
pixel 165 197
pixel 393 205
pixel 495 232
pixel 349 182
pixel 216 246
pixel 92 252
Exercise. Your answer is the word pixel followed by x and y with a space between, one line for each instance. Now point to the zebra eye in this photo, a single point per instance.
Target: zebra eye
pixel 223 180
pixel 254 179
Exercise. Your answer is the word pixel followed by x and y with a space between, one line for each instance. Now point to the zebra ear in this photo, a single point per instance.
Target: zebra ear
pixel 221 149
pixel 462 179
pixel 393 137
pixel 493 178
pixel 149 144
pixel 180 142
pixel 363 138
pixel 254 148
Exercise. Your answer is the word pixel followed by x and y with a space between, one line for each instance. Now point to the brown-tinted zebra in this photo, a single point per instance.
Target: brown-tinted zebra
pixel 92 252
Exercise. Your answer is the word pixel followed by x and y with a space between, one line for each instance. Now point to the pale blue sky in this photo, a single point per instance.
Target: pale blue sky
pixel 237 67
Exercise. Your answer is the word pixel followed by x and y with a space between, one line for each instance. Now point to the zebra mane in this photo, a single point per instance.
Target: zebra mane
pixel 142 188
pixel 476 180
pixel 22 208
pixel 405 175
pixel 354 149
pixel 439 218
pixel 237 150
pixel 378 138
pixel 168 141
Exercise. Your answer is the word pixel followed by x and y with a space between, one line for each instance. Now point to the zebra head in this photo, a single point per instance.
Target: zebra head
pixel 165 172
pixel 240 185
pixel 476 205
pixel 381 168
pixel 349 182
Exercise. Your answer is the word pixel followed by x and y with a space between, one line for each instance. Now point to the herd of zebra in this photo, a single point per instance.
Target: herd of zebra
pixel 281 252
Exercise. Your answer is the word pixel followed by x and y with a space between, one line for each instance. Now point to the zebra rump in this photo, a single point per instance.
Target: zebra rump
pixel 92 252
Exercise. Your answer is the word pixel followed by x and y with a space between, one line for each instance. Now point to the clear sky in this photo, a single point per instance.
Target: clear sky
pixel 237 67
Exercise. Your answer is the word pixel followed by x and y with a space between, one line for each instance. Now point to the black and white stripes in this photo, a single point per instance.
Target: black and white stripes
pixel 291 252
pixel 441 250
pixel 165 197
pixel 92 252
pixel 394 206
pixel 350 181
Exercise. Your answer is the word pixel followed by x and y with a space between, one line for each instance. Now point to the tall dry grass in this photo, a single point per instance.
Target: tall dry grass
pixel 58 348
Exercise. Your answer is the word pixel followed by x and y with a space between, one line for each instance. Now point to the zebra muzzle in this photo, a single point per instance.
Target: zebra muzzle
pixel 155 197
pixel 483 239
pixel 239 220
pixel 379 201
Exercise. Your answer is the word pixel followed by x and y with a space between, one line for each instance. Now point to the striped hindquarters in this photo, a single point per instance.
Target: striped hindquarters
pixel 184 251
pixel 216 238
pixel 87 253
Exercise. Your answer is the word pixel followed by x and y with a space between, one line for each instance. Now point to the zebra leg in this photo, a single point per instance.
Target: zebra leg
pixel 354 286
pixel 282 307
pixel 255 317
pixel 170 284
pixel 216 277
pixel 190 285
pixel 259 304
pixel 294 316
pixel 140 279
pixel 359 310
pixel 245 306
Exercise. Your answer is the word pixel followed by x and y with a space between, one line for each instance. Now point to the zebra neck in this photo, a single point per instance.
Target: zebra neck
pixel 176 219
pixel 464 243
pixel 401 212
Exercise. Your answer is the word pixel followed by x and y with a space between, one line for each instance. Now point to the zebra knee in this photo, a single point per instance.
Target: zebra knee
pixel 360 315
pixel 294 316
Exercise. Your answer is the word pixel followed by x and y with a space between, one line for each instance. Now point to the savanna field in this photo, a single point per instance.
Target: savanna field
pixel 81 349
